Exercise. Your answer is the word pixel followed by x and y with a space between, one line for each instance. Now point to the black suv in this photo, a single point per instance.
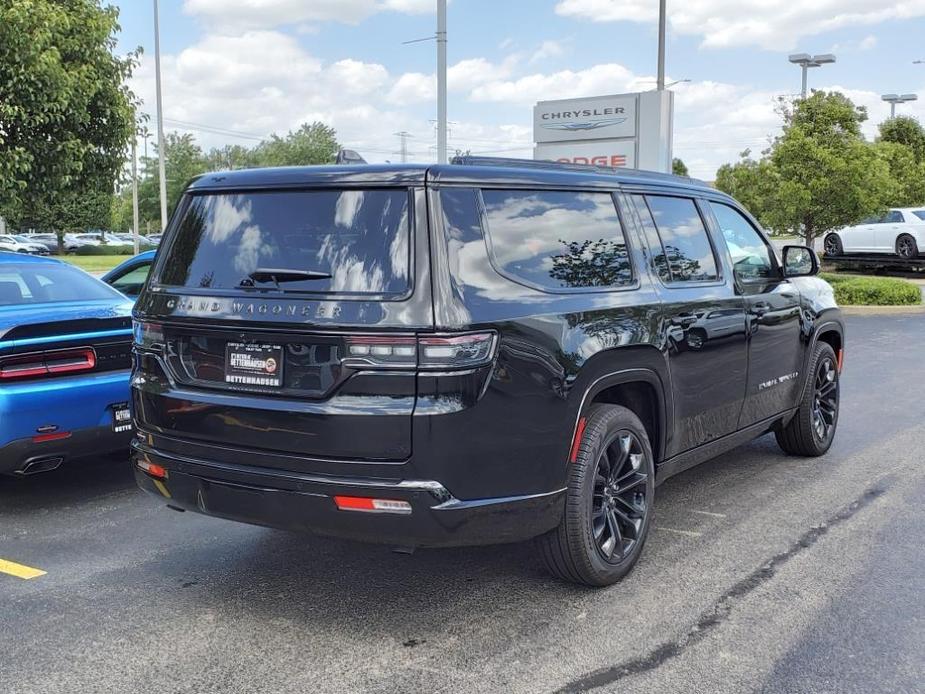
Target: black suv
pixel 484 352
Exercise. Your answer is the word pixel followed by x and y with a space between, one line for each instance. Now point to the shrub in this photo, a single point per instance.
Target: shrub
pixel 104 250
pixel 855 290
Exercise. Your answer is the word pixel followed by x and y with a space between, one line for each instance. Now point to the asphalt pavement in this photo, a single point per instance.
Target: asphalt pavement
pixel 763 573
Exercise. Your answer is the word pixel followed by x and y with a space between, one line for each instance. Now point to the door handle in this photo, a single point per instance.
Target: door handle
pixel 760 308
pixel 684 320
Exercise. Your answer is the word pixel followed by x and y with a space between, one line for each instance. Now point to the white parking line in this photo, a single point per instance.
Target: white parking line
pixel 688 533
pixel 709 513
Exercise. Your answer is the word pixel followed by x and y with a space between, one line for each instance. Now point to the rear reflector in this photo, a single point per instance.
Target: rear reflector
pixel 576 441
pixel 362 503
pixel 56 436
pixel 153 469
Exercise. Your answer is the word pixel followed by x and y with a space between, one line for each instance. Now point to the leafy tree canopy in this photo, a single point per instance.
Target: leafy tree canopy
pixel 819 174
pixel 905 131
pixel 66 116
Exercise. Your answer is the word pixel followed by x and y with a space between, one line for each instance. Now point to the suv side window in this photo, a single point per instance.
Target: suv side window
pixel 894 217
pixel 557 240
pixel 684 240
pixel 751 257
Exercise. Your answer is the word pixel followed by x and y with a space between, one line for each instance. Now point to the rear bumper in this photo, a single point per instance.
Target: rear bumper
pixel 303 502
pixel 83 443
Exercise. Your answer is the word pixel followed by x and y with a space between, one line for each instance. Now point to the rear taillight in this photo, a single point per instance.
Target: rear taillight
pixel 432 352
pixel 147 335
pixel 38 364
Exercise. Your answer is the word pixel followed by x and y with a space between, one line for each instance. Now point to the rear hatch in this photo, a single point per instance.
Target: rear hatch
pixel 283 322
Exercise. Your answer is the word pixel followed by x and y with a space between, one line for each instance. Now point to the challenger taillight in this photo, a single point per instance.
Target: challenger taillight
pixel 439 352
pixel 50 362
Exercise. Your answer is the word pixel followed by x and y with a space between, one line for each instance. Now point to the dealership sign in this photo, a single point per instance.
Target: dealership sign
pixel 604 153
pixel 574 120
pixel 632 130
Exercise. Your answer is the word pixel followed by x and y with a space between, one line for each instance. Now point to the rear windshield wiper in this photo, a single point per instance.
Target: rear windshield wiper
pixel 277 276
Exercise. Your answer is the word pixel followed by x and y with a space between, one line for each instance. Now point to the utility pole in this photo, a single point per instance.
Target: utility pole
pixel 403 137
pixel 161 145
pixel 135 220
pixel 441 82
pixel 662 31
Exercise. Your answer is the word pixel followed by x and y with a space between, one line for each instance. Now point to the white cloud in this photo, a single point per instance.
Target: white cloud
pixel 768 24
pixel 600 79
pixel 416 87
pixel 868 43
pixel 547 49
pixel 238 15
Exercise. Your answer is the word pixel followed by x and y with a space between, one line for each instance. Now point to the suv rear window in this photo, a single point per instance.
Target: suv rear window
pixel 556 240
pixel 348 241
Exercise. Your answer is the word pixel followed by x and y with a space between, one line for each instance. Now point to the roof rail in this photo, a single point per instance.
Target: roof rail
pixel 511 162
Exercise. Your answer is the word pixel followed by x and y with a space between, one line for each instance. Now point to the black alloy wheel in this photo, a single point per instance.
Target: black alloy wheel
pixel 825 398
pixel 811 431
pixel 832 245
pixel 609 500
pixel 906 247
pixel 619 501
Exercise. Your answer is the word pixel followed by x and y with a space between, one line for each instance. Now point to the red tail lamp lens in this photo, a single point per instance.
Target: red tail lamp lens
pixel 45 363
pixel 370 505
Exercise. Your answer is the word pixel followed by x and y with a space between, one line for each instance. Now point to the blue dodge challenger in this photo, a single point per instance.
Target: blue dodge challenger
pixel 65 359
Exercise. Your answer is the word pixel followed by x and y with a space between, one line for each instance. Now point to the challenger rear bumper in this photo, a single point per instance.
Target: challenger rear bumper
pixel 304 502
pixel 17 456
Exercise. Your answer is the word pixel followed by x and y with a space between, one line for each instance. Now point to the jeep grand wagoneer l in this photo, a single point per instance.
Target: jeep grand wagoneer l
pixel 490 351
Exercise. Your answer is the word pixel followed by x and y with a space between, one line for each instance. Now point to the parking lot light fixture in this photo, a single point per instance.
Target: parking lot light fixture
pixel 806 61
pixel 893 99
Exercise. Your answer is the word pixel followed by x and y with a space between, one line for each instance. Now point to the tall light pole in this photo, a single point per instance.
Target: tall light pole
pixel 893 99
pixel 662 31
pixel 135 216
pixel 806 61
pixel 161 149
pixel 441 81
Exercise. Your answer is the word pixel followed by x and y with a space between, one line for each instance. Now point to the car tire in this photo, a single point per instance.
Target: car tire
pixel 811 431
pixel 609 501
pixel 833 245
pixel 906 247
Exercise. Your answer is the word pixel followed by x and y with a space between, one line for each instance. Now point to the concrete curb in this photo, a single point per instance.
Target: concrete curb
pixel 882 310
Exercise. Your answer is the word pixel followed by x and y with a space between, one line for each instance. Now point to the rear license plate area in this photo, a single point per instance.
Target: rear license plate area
pixel 250 364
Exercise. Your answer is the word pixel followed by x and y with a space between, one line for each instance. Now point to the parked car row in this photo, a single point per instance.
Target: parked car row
pixel 42 244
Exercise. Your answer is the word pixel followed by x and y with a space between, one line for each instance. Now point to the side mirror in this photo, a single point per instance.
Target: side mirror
pixel 800 261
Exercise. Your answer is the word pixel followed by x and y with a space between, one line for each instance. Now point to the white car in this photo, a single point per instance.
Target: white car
pixel 10 243
pixel 900 231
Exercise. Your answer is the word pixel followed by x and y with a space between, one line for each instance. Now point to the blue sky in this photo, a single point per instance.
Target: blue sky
pixel 236 70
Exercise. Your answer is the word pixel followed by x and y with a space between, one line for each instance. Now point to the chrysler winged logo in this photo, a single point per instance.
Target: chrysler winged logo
pixel 584 125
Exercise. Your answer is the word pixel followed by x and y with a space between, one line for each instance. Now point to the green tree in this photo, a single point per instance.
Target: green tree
pixel 818 175
pixel 906 131
pixel 679 168
pixel 312 143
pixel 907 174
pixel 752 182
pixel 66 116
